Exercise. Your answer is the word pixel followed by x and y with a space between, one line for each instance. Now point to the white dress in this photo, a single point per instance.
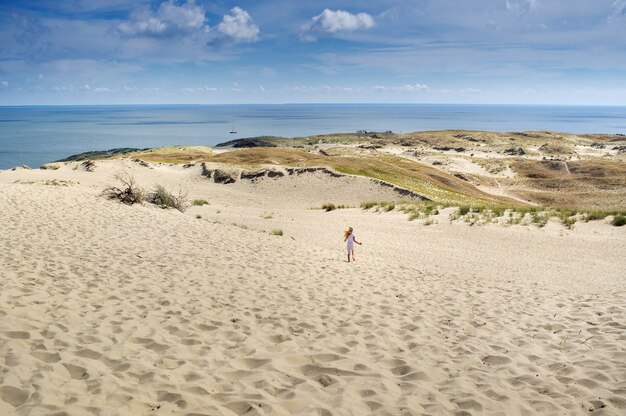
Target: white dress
pixel 350 243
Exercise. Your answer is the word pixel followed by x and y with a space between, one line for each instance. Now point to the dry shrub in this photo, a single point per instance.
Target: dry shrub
pixel 88 165
pixel 165 199
pixel 127 192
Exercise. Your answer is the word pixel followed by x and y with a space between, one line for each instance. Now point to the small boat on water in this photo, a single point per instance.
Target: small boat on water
pixel 232 130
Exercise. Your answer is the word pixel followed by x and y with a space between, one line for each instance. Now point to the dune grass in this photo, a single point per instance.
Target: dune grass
pixel 165 199
pixel 200 202
pixel 173 154
pixel 547 182
pixel 329 206
pixel 619 220
pixel 419 178
pixel 537 216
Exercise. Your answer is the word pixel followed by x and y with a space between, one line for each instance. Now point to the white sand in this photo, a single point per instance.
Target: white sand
pixel 108 309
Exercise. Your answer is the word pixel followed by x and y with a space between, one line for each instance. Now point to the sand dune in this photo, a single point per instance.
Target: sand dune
pixel 108 309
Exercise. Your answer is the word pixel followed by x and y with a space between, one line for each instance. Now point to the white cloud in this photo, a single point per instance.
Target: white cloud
pixel 414 87
pixel 40 77
pixel 169 20
pixel 403 88
pixel 102 89
pixel 520 7
pixel 4 84
pixel 334 21
pixel 408 88
pixel 239 27
pixel 619 7
pixel 194 90
pixel 64 88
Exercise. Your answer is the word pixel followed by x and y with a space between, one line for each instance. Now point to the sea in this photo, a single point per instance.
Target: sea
pixel 35 135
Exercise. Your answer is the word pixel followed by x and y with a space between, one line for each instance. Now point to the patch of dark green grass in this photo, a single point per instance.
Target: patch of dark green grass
pixel 200 202
pixel 618 221
pixel 463 210
pixel 369 204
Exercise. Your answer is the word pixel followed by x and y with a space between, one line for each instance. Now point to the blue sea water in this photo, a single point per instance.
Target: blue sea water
pixel 34 135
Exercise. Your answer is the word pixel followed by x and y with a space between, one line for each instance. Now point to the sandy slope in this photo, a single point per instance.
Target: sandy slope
pixel 107 309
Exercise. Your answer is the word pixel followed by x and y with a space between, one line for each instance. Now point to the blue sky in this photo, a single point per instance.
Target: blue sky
pixel 277 51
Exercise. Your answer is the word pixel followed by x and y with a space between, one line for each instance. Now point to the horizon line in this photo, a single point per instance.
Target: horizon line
pixel 312 103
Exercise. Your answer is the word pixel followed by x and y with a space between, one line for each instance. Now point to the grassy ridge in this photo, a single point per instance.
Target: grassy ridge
pixel 174 154
pixel 551 169
pixel 425 180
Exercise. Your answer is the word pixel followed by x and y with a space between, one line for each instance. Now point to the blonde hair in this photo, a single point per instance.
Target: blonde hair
pixel 347 233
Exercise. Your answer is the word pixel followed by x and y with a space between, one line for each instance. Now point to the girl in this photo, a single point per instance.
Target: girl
pixel 350 239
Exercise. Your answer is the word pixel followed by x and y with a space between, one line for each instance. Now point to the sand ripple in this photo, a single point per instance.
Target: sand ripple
pixel 107 309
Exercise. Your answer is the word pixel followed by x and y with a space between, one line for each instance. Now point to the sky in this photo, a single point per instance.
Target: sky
pixel 288 51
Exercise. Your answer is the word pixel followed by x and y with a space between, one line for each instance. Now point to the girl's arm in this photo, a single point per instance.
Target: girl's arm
pixel 354 239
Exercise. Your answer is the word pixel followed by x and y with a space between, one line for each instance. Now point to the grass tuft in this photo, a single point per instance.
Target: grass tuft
pixel 200 202
pixel 165 199
pixel 368 204
pixel 277 231
pixel 618 221
pixel 463 210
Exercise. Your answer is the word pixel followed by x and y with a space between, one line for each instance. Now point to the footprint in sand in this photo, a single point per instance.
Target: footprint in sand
pixel 175 398
pixel 197 390
pixel 373 405
pixel 87 353
pixel 249 363
pixel 401 370
pixel 13 396
pixel 496 360
pixel 325 380
pixel 46 357
pixel 76 372
pixel 324 358
pixel 469 404
pixel 240 407
pixel 17 334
